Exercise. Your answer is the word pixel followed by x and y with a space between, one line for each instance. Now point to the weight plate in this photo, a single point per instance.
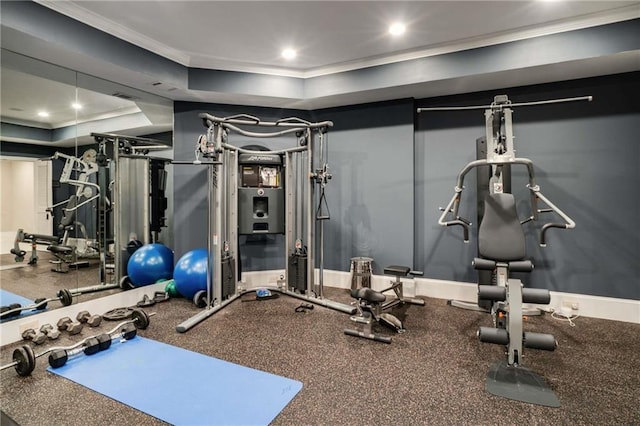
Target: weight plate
pixel 26 360
pixel 125 283
pixel 200 299
pixel 141 319
pixel 118 314
pixel 65 297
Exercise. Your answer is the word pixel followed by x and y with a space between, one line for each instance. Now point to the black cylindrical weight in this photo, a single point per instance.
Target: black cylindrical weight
pixel 129 331
pixel 91 346
pixel 492 292
pixel 58 358
pixel 41 304
pixel 15 309
pixel 536 295
pixel 545 342
pixel 105 341
pixel 498 336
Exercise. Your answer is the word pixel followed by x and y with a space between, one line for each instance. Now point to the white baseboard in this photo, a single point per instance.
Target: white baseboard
pixel 588 306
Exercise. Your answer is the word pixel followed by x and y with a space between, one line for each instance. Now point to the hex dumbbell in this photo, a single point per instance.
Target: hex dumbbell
pixel 36 337
pixel 51 332
pixel 93 345
pixel 85 317
pixel 24 359
pixel 67 324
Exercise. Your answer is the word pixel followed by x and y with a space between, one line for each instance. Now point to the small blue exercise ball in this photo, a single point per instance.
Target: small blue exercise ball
pixel 190 273
pixel 150 263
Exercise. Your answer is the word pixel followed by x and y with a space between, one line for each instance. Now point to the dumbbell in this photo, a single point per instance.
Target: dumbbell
pixel 15 309
pixel 85 317
pixel 51 332
pixel 24 359
pixel 93 345
pixel 36 337
pixel 126 330
pixel 67 324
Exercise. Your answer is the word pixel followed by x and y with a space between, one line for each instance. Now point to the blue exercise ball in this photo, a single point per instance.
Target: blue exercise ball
pixel 150 263
pixel 190 273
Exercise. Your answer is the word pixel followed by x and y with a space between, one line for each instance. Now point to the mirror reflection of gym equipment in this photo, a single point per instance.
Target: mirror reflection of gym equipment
pixel 132 206
pixel 73 243
pixel 501 250
pixel 131 211
pixel 256 203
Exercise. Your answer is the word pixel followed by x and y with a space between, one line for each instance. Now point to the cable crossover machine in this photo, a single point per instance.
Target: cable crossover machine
pixel 253 208
pixel 501 251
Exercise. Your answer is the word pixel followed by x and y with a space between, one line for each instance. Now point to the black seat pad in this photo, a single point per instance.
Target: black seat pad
pixel 368 294
pixel 401 271
pixel 60 249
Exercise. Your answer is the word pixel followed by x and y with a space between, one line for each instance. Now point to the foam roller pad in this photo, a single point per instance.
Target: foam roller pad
pixel 545 342
pixel 492 292
pixel 536 295
pixel 498 336
pixel 484 264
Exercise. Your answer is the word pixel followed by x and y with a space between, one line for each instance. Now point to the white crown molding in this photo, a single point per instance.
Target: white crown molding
pixel 560 26
pixel 192 59
pixel 81 14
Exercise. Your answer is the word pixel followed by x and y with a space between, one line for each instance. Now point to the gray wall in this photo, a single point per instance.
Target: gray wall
pixel 386 187
pixel 371 192
pixel 587 159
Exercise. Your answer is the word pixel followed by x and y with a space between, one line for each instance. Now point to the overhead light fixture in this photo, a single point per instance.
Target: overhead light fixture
pixel 43 114
pixel 288 53
pixel 397 29
pixel 76 106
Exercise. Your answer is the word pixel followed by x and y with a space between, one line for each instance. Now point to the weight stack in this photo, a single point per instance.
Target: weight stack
pixel 298 272
pixel 228 276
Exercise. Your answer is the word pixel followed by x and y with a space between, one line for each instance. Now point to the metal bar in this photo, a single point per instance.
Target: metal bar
pixel 310 214
pixel 188 324
pixel 248 151
pixel 514 321
pixel 285 122
pixel 551 101
pixel 111 137
pixel 261 135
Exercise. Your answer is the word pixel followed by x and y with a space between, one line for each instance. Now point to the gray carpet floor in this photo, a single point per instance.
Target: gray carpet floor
pixel 434 374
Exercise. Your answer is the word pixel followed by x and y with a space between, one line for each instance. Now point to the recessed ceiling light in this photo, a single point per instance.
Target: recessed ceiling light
pixel 43 114
pixel 288 53
pixel 76 105
pixel 397 28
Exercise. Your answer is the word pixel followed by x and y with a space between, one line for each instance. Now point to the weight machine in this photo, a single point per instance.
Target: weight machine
pixel 63 248
pixel 501 250
pixel 132 205
pixel 256 193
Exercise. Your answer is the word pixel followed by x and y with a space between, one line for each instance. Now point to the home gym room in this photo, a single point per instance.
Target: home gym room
pixel 386 212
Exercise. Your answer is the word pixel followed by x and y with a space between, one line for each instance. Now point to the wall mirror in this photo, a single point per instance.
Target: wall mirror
pixel 56 242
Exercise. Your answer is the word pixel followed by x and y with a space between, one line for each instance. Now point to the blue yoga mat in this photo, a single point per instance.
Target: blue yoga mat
pixel 7 298
pixel 182 387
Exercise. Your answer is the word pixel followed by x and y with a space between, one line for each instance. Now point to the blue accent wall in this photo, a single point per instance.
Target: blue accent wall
pixel 587 162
